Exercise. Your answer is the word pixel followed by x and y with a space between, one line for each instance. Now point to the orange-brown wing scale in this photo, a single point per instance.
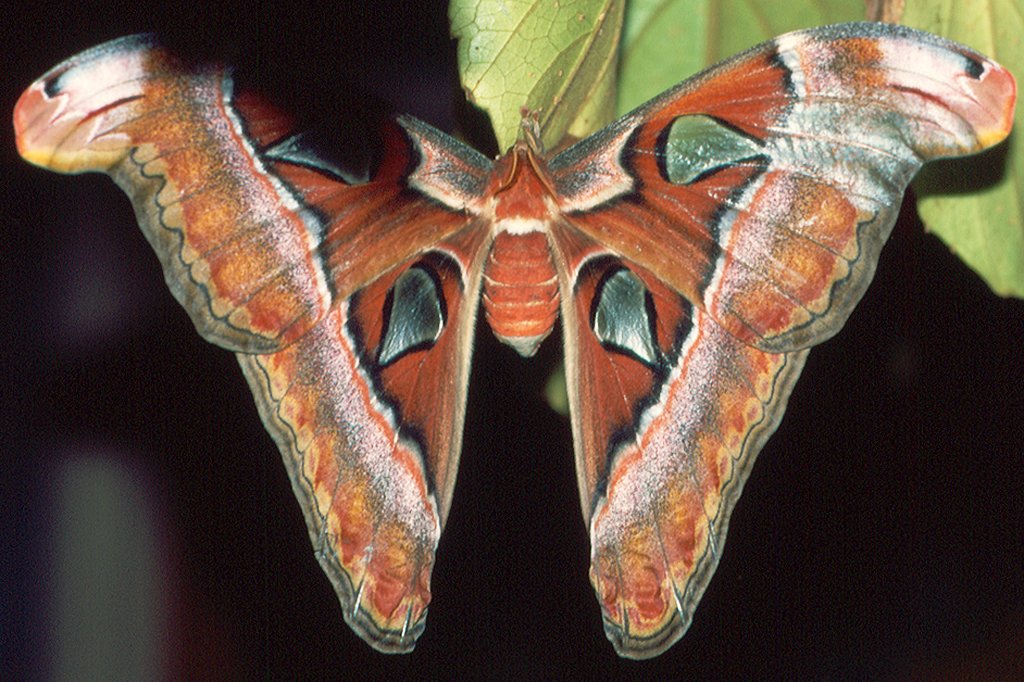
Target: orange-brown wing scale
pixel 276 254
pixel 749 205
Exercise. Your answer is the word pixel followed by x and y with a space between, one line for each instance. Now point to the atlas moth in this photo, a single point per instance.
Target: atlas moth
pixel 694 250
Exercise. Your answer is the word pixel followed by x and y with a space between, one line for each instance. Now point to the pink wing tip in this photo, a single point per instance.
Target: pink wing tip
pixel 997 91
pixel 67 120
pixel 32 115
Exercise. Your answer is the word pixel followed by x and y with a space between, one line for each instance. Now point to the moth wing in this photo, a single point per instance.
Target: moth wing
pixel 709 239
pixel 669 411
pixel 764 188
pixel 349 300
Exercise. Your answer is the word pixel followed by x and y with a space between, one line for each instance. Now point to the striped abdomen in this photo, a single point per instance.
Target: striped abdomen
pixel 520 289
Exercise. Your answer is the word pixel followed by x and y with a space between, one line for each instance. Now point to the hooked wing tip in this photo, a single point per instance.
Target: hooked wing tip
pixel 66 121
pixel 1000 92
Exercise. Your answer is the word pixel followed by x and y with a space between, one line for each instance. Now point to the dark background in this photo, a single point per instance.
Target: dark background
pixel 880 534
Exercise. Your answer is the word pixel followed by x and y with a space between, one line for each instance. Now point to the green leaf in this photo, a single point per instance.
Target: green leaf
pixel 976 205
pixel 666 41
pixel 556 59
pixel 555 391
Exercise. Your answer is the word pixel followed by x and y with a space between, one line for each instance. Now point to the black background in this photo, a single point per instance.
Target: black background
pixel 880 534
